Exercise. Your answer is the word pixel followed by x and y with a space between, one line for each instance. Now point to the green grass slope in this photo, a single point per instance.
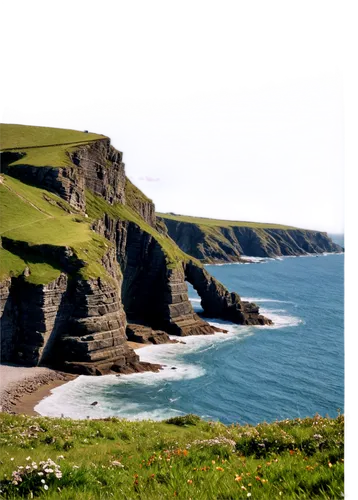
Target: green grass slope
pixel 34 216
pixel 183 457
pixel 42 146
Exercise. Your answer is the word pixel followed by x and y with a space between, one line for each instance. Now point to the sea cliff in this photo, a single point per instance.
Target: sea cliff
pixel 82 252
pixel 214 241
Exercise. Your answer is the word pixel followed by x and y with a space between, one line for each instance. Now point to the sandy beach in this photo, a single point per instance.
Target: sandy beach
pixel 21 388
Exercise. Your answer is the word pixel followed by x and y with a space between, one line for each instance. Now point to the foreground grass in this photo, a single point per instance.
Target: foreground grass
pixel 183 457
pixel 206 222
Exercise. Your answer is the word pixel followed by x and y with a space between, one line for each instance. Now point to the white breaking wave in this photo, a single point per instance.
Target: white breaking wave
pixel 262 260
pixel 74 398
pixel 280 317
pixel 281 320
pixel 255 299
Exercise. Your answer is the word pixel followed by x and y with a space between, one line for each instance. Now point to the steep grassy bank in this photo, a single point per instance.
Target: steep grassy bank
pixel 32 217
pixel 183 457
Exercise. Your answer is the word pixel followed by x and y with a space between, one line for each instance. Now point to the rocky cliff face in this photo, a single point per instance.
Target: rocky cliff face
pixel 8 314
pixel 153 292
pixel 71 324
pixel 226 243
pixel 96 166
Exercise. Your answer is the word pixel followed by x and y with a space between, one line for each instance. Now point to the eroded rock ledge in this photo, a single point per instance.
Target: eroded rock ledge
pixel 146 335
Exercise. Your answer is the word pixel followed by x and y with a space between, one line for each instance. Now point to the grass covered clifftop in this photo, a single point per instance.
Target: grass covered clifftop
pixel 42 146
pixel 183 457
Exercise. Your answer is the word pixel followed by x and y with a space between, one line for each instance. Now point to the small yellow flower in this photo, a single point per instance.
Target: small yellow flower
pixel 243 488
pixel 190 481
pixel 213 461
pixel 329 464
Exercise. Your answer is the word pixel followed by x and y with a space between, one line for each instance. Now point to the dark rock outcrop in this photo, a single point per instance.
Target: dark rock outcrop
pixel 8 315
pixel 179 317
pixel 146 335
pixel 227 243
pixel 217 302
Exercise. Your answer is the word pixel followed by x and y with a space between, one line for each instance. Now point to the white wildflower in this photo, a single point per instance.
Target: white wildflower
pixel 115 463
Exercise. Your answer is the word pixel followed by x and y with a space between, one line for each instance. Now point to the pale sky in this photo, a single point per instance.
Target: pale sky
pixel 276 156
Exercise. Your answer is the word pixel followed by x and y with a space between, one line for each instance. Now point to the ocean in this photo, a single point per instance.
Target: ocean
pixel 294 368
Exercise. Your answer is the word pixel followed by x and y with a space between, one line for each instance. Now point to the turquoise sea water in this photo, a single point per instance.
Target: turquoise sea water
pixel 251 374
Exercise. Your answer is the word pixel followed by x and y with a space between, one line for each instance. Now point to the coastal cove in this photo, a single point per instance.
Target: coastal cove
pixel 254 373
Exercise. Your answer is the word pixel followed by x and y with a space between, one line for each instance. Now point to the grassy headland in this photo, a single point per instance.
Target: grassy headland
pixel 35 216
pixel 42 146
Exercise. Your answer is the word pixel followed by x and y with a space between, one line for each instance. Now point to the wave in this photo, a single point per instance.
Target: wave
pixel 280 320
pixel 249 259
pixel 255 299
pixel 74 398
